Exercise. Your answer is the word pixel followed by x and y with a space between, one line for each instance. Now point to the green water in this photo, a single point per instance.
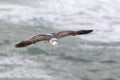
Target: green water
pixel 76 59
pixel 94 56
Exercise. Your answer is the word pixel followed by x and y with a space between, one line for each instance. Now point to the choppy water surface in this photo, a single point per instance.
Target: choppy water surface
pixel 95 56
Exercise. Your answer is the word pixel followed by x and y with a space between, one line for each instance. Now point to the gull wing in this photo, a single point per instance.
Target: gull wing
pixel 72 33
pixel 32 40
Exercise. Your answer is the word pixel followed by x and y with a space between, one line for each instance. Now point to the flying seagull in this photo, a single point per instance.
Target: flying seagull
pixel 52 38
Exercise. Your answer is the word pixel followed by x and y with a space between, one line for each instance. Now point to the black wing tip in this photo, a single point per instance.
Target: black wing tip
pixel 21 44
pixel 80 32
pixel 18 46
pixel 87 31
pixel 90 30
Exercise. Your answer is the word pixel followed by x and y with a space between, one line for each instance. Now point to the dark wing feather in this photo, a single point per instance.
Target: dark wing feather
pixel 80 32
pixel 65 33
pixel 32 40
pixel 72 33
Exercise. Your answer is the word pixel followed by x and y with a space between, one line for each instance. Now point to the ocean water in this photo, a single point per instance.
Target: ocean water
pixel 95 56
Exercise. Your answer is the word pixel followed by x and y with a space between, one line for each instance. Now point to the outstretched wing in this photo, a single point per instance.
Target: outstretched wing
pixel 32 40
pixel 65 33
pixel 80 32
pixel 72 33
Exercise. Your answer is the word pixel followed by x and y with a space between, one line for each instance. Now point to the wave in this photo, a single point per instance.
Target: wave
pixel 102 16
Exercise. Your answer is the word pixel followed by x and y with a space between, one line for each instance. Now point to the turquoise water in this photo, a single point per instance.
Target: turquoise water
pixel 87 57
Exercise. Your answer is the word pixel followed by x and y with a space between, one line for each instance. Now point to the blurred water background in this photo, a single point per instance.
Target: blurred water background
pixel 95 56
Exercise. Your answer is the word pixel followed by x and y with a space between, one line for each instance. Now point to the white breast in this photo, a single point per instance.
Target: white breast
pixel 53 41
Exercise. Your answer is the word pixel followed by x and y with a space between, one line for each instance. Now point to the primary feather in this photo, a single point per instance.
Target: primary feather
pixel 72 33
pixel 32 40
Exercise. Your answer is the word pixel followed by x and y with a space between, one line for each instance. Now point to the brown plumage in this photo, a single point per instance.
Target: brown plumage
pixel 73 33
pixel 44 37
pixel 32 40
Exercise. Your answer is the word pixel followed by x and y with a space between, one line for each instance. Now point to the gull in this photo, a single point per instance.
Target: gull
pixel 52 38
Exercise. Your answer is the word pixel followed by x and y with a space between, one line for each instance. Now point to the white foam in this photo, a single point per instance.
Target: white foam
pixel 24 72
pixel 16 61
pixel 16 13
pixel 101 15
pixel 16 67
